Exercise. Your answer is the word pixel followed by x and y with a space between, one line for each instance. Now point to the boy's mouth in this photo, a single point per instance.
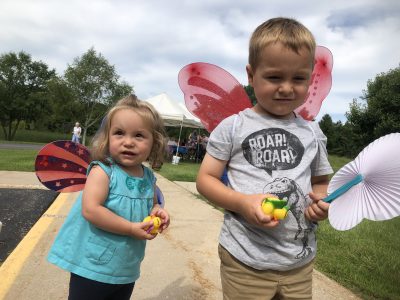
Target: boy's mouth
pixel 284 100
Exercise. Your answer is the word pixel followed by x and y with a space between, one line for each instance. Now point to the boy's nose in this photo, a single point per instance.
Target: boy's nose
pixel 286 88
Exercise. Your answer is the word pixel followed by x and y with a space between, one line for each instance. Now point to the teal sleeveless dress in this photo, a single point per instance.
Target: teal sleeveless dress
pixel 83 249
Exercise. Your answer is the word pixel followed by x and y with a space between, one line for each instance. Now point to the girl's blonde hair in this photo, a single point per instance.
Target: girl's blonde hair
pixel 291 33
pixel 100 142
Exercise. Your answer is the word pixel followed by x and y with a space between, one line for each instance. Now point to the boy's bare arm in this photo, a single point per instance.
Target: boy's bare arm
pixel 320 185
pixel 210 186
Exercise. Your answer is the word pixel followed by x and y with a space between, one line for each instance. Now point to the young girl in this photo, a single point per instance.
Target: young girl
pixel 103 239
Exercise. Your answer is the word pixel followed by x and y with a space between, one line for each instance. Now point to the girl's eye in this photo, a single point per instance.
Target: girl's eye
pixel 118 132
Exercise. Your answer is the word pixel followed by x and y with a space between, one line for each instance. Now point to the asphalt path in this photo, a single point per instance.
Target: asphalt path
pixel 20 208
pixel 16 146
pixel 19 211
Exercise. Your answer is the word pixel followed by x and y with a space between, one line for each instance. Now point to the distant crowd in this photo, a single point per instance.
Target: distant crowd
pixel 191 148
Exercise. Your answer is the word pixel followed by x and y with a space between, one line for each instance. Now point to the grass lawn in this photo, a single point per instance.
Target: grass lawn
pixel 33 136
pixel 17 160
pixel 364 259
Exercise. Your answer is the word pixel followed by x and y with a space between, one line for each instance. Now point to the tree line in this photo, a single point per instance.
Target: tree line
pixel 375 114
pixel 32 93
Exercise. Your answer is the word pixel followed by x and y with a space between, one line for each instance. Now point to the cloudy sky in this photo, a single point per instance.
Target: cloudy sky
pixel 149 41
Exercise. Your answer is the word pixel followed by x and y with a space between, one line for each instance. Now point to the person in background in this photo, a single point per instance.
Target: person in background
pixel 269 150
pixel 76 133
pixel 171 147
pixel 203 146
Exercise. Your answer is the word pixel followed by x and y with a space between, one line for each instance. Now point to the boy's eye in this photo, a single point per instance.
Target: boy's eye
pixel 273 78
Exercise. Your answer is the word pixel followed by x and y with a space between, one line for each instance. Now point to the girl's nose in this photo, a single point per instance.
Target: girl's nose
pixel 129 142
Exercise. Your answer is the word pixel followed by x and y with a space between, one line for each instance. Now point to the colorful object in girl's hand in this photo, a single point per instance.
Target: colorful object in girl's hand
pixel 275 207
pixel 153 229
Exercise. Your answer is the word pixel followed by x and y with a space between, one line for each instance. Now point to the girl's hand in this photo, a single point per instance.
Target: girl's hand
pixel 160 212
pixel 251 210
pixel 140 230
pixel 318 210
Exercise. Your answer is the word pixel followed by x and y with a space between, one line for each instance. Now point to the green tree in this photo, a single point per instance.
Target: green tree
pixel 379 114
pixel 95 86
pixel 23 84
pixel 63 107
pixel 328 127
pixel 339 137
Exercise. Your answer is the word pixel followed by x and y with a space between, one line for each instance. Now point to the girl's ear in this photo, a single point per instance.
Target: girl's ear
pixel 250 74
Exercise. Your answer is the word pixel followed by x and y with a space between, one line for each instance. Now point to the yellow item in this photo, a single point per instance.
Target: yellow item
pixel 156 223
pixel 280 213
pixel 267 207
pixel 275 207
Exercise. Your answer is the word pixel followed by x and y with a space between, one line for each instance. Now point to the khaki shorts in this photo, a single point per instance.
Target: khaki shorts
pixel 242 282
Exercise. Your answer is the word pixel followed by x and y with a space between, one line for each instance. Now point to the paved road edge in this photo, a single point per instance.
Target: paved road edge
pixel 11 267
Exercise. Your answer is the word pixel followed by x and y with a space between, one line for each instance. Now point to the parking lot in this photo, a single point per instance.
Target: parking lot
pixel 19 211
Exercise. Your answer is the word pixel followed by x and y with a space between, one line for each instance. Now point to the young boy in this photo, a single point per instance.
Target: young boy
pixel 269 150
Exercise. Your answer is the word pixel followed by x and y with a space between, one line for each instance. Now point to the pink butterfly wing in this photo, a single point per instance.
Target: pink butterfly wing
pixel 61 166
pixel 321 84
pixel 211 93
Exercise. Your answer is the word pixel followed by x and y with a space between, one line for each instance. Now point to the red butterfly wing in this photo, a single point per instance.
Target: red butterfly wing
pixel 321 84
pixel 61 166
pixel 211 93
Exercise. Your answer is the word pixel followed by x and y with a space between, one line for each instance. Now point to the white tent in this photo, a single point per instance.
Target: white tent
pixel 174 114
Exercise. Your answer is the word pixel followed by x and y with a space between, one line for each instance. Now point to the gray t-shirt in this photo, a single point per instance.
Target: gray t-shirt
pixel 267 155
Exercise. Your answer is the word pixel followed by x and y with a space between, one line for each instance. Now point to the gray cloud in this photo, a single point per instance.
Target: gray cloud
pixel 150 41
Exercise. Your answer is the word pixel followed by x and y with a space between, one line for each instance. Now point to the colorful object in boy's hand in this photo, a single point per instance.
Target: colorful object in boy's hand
pixel 153 229
pixel 275 207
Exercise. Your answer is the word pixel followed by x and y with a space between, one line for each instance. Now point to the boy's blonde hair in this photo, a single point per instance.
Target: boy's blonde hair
pixel 291 33
pixel 100 143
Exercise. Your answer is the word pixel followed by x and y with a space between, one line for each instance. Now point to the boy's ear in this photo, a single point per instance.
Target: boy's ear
pixel 250 74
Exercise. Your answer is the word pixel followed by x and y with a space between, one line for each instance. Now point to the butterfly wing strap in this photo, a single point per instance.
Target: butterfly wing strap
pixel 61 166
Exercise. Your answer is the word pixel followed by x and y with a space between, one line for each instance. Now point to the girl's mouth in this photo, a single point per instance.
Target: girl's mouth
pixel 128 153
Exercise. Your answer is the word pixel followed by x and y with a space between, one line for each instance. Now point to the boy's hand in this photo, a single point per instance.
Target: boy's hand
pixel 251 210
pixel 318 210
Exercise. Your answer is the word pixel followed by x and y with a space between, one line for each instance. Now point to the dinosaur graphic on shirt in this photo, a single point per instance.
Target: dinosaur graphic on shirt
pixel 287 189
